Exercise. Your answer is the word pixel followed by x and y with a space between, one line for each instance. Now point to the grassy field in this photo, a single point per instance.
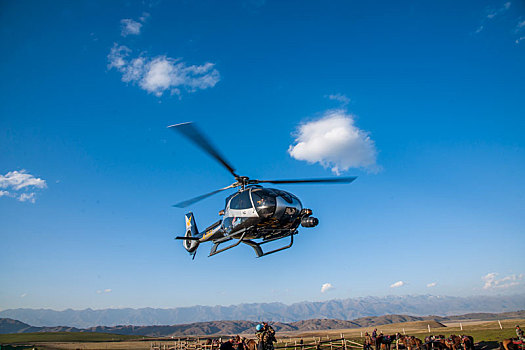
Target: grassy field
pixel 486 334
pixel 64 337
pixel 480 330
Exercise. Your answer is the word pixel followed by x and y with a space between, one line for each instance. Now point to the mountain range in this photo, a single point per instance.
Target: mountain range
pixel 340 309
pixel 215 328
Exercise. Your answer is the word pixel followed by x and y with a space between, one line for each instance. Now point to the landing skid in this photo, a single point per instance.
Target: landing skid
pixel 255 245
pixel 225 239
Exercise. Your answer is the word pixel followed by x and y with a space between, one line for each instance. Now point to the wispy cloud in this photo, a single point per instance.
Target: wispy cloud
pixel 326 287
pixel 430 285
pixel 20 185
pixel 335 142
pixel 496 12
pixel 520 27
pixel 161 73
pixel 397 284
pixel 343 99
pixel 104 291
pixel 492 13
pixel 129 26
pixel 491 281
pixel 27 197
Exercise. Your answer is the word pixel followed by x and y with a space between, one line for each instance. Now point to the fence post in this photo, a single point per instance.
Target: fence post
pixel 295 345
pixel 500 327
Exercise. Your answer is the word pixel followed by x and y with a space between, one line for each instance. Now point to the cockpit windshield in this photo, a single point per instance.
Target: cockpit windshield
pixel 290 198
pixel 241 201
pixel 264 201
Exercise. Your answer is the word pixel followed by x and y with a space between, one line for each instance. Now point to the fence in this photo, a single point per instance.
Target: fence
pixel 199 344
pixel 332 344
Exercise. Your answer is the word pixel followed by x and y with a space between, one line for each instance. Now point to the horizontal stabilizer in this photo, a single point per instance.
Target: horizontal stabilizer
pixel 188 238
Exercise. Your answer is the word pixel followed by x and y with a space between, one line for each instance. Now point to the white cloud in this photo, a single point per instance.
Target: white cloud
pixel 326 287
pixel 397 284
pixel 20 179
pixel 19 185
pixel 104 291
pixel 27 197
pixel 519 28
pixel 130 27
pixel 491 282
pixel 491 14
pixel 499 11
pixel 160 74
pixel 334 141
pixel 339 98
pixel 23 295
pixel 433 284
pixel 144 17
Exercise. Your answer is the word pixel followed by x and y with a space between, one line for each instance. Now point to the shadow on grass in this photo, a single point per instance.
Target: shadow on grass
pixel 487 345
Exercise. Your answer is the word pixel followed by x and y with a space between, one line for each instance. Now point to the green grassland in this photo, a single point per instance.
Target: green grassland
pixel 486 334
pixel 63 337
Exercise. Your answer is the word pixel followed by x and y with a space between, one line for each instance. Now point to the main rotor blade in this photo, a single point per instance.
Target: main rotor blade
pixel 190 131
pixel 201 197
pixel 348 179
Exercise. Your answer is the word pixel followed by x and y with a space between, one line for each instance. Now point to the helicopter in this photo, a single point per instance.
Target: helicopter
pixel 254 215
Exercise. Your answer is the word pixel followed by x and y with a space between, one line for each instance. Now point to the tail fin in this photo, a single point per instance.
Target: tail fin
pixel 191 231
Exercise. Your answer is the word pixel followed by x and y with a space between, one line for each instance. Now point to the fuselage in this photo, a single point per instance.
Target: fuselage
pixel 261 212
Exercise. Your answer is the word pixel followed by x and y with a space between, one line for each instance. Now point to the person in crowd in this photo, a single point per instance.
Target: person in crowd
pixel 519 333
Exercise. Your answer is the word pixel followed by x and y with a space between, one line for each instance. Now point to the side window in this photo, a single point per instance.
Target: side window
pixel 234 203
pixel 241 201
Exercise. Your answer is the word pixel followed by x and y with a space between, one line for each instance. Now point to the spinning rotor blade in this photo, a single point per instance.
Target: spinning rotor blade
pixel 201 197
pixel 190 131
pixel 348 179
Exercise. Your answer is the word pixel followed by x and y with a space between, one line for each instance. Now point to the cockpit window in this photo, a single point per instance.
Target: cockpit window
pixel 287 196
pixel 264 202
pixel 241 201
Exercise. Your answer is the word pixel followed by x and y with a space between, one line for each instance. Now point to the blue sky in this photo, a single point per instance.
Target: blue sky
pixel 428 101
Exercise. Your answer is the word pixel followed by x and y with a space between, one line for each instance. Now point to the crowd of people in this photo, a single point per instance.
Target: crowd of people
pixel 264 333
pixel 372 340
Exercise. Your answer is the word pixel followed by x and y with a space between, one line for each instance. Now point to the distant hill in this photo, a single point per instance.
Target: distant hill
pixel 239 327
pixel 344 309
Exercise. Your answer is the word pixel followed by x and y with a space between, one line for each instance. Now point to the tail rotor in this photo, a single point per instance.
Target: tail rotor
pixel 191 237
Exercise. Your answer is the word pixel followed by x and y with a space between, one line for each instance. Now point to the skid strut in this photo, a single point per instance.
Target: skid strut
pixel 258 250
pixel 255 245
